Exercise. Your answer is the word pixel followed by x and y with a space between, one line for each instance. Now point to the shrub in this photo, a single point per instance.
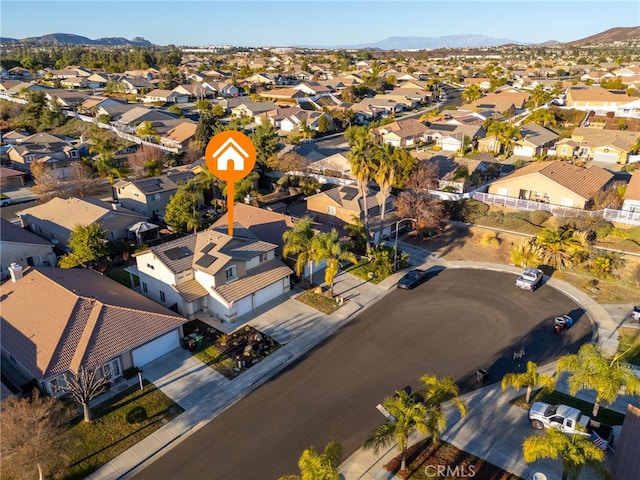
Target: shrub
pixel 620 233
pixel 137 414
pixel 538 217
pixel 603 231
pixel 634 234
pixel 468 210
pixel 490 239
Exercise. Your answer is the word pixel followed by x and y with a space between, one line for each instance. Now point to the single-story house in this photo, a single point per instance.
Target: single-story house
pixel 91 321
pixel 535 140
pixel 20 246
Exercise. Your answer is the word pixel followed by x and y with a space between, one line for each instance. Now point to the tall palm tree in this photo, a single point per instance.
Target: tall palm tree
pixel 436 392
pixel 542 116
pixel 575 450
pixel 407 416
pixel 297 241
pixel 329 248
pixel 105 147
pixel 362 167
pixel 559 246
pixel 607 375
pixel 528 379
pixel 316 465
pixel 384 173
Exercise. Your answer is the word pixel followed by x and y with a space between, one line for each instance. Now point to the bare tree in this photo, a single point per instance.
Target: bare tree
pixel 84 387
pixel 415 201
pixel 32 429
pixel 47 182
pixel 289 162
pixel 81 180
pixel 144 157
pixel 193 153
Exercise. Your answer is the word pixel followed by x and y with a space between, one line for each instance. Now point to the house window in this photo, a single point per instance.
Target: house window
pixel 144 287
pixel 156 196
pixel 111 370
pixel 150 267
pixel 73 154
pixel 162 297
pixel 56 384
pixel 113 234
pixel 331 210
pixel 263 257
pixel 230 272
pixel 53 237
pixel 330 224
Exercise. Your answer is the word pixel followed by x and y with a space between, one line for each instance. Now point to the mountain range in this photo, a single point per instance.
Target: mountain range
pixel 617 34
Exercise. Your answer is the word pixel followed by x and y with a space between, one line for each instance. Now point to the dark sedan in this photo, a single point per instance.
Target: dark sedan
pixel 412 279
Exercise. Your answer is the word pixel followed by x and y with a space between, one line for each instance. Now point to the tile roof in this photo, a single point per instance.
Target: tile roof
pixel 598 137
pixel 177 255
pixel 14 234
pixel 257 278
pixel 582 181
pixel 90 319
pixel 536 135
pixel 626 461
pixel 633 188
pixel 191 290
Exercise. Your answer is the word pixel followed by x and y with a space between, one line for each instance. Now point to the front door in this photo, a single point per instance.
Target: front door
pixel 111 370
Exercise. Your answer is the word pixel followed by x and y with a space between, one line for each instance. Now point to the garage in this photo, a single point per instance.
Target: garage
pixel 268 293
pixel 605 156
pixel 156 348
pixel 244 306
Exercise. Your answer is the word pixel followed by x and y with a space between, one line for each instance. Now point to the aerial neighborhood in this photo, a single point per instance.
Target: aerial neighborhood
pixel 121 251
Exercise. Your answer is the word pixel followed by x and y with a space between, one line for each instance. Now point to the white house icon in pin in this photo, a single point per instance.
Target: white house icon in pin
pixel 230 150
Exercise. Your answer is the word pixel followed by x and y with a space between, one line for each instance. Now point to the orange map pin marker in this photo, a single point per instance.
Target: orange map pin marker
pixel 230 156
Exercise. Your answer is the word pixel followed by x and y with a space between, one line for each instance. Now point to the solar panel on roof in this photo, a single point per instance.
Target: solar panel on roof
pixel 177 253
pixel 205 260
pixel 207 247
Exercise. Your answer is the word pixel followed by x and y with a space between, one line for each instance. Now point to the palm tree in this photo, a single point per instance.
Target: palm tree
pixel 527 253
pixel 542 116
pixel 84 387
pixel 329 248
pixel 559 246
pixel 358 233
pixel 384 174
pixel 147 131
pixel 407 416
pixel 319 466
pixel 362 167
pixel 607 375
pixel 538 96
pixel 575 450
pixel 297 241
pixel 436 392
pixel 528 379
pixel 105 146
pixel 472 93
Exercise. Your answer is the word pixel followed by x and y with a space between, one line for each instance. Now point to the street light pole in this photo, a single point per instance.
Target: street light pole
pixel 395 247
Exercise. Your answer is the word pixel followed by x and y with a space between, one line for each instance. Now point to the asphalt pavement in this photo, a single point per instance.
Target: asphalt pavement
pixel 205 394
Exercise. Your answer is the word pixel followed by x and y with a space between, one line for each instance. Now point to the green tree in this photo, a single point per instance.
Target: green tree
pixel 265 139
pixel 298 243
pixel 560 247
pixel 245 187
pixel 576 451
pixel 527 253
pixel 147 132
pixel 528 379
pixel 105 146
pixel 323 124
pixel 362 165
pixel 436 392
pixel 31 433
pixel 203 105
pixel 607 375
pixel 407 417
pixel 538 97
pixel 84 387
pixel 543 117
pixel 358 234
pixel 206 128
pixel 506 133
pixel 316 465
pixel 472 93
pixel 182 211
pixel 331 250
pixel 87 243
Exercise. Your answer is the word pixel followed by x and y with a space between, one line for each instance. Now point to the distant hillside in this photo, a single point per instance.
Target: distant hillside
pixel 432 43
pixel 71 39
pixel 618 34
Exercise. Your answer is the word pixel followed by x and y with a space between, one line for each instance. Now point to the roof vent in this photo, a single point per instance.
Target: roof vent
pixel 16 272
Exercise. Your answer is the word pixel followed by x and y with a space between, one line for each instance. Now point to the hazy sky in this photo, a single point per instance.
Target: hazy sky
pixel 311 22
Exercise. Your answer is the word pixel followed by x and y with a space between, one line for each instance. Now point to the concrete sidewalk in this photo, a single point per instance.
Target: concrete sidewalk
pixel 204 393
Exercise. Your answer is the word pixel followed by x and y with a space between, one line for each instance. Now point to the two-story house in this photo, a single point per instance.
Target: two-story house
pixel 149 196
pixel 55 220
pixel 212 273
pixel 51 150
pixel 20 246
pixel 402 133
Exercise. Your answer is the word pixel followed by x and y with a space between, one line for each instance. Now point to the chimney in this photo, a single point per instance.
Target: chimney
pixel 16 272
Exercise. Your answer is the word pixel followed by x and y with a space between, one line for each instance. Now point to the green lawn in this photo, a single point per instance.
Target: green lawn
pixel 120 276
pixel 212 357
pixel 366 271
pixel 118 424
pixel 605 416
pixel 319 302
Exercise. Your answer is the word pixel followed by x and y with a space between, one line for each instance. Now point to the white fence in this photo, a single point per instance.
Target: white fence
pixel 618 216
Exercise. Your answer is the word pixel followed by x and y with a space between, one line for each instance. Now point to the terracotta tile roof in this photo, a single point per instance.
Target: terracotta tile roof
pixel 90 319
pixel 182 131
pixel 582 181
pixel 597 94
pixel 257 278
pixel 597 137
pixel 626 461
pixel 191 290
pixel 633 189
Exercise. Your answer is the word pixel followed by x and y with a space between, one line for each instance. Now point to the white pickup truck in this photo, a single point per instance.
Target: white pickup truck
pixel 530 279
pixel 570 420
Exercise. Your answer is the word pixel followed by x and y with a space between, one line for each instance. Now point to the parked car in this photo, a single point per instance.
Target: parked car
pixel 4 200
pixel 412 279
pixel 635 313
pixel 530 279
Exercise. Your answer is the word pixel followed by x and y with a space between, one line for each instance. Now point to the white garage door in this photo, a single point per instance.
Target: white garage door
pixel 269 293
pixel 605 157
pixel 156 348
pixel 524 151
pixel 244 306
